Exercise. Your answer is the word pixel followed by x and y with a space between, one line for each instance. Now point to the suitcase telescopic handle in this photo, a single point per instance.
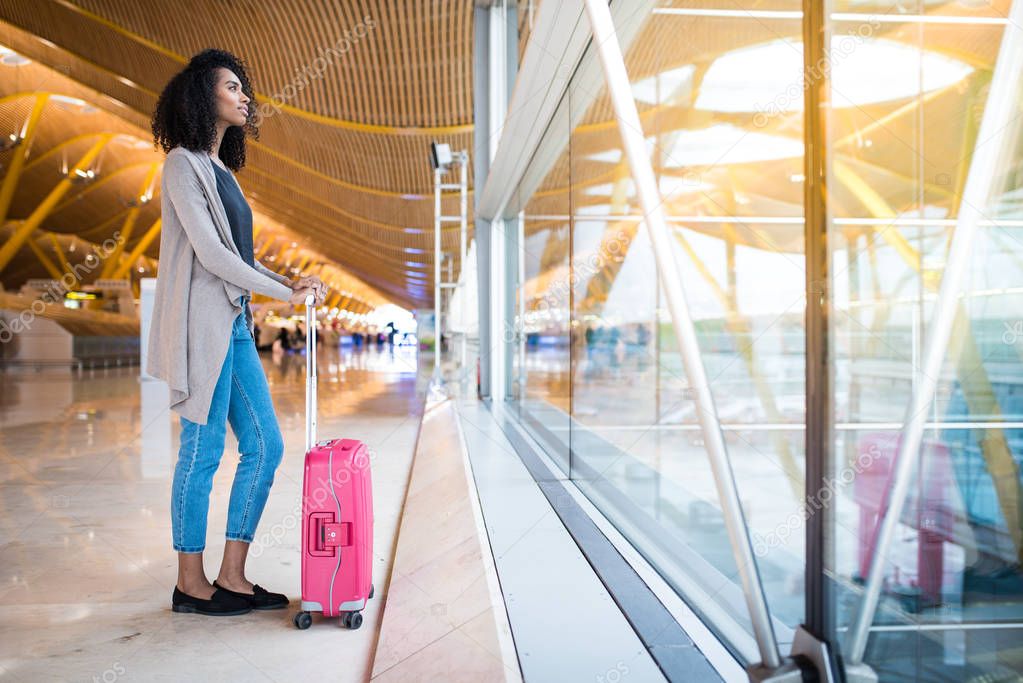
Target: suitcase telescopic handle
pixel 310 372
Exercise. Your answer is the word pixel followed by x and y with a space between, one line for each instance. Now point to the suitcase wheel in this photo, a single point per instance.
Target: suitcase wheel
pixel 303 620
pixel 352 620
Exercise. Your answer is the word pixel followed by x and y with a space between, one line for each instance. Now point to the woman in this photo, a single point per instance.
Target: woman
pixel 201 339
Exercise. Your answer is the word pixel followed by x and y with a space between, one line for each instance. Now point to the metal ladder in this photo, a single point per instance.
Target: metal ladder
pixel 462 160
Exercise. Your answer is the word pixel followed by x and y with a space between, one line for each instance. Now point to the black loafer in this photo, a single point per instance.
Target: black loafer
pixel 260 598
pixel 221 604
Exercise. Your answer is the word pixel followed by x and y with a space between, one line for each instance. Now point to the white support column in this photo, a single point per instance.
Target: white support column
pixel 497 73
pixel 499 337
pixel 463 181
pixel 497 107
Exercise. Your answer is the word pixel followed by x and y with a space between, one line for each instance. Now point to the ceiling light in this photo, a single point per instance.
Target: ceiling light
pixel 131 141
pixel 64 99
pixel 10 142
pixel 14 59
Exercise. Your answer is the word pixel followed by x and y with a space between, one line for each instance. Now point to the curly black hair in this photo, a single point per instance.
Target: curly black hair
pixel 186 114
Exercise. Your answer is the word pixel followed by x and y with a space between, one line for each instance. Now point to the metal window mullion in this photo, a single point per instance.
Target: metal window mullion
pixel 818 378
pixel 520 325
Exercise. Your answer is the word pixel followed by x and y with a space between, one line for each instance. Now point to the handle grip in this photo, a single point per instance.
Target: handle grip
pixel 310 372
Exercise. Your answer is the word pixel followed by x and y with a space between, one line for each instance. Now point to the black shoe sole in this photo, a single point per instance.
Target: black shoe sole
pixel 271 607
pixel 192 609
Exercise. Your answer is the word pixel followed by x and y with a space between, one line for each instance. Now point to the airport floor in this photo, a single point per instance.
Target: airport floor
pixel 86 564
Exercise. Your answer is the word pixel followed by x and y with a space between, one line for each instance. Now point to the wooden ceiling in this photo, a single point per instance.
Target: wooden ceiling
pixel 353 93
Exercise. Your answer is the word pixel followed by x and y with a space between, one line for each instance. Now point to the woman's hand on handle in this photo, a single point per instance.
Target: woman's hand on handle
pixel 298 296
pixel 311 282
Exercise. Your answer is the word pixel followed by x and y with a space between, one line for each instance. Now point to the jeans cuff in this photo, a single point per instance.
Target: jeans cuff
pixel 189 549
pixel 239 537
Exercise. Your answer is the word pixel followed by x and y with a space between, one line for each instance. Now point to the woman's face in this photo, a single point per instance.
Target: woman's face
pixel 232 103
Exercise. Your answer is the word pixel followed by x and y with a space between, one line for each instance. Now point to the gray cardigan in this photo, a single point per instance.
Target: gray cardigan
pixel 199 285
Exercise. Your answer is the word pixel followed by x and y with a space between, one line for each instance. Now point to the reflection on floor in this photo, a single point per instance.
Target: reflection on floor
pixel 86 565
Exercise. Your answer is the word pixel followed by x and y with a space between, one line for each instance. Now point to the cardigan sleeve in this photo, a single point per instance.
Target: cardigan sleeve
pixel 271 274
pixel 181 185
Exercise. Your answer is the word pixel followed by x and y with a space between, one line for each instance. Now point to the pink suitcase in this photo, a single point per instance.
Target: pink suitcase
pixel 337 516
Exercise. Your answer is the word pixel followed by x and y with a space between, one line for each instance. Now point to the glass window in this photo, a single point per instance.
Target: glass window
pixel 598 376
pixel 604 385
pixel 899 152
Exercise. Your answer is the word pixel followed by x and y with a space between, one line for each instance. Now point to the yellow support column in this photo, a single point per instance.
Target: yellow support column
pixel 12 245
pixel 266 246
pixel 281 262
pixel 52 269
pixel 143 244
pixel 129 222
pixel 60 254
pixel 20 155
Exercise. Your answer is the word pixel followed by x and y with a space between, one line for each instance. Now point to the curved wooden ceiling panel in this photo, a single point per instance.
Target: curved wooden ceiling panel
pixel 359 89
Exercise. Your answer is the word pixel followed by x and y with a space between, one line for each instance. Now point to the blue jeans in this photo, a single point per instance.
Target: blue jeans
pixel 241 397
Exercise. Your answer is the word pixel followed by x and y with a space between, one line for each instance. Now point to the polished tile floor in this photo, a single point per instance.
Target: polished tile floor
pixel 86 565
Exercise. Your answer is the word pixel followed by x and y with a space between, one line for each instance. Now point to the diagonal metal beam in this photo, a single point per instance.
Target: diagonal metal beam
pixel 52 269
pixel 11 247
pixel 59 251
pixel 266 246
pixel 21 155
pixel 142 245
pixel 144 195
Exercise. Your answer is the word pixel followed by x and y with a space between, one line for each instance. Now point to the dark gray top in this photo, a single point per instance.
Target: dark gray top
pixel 239 214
